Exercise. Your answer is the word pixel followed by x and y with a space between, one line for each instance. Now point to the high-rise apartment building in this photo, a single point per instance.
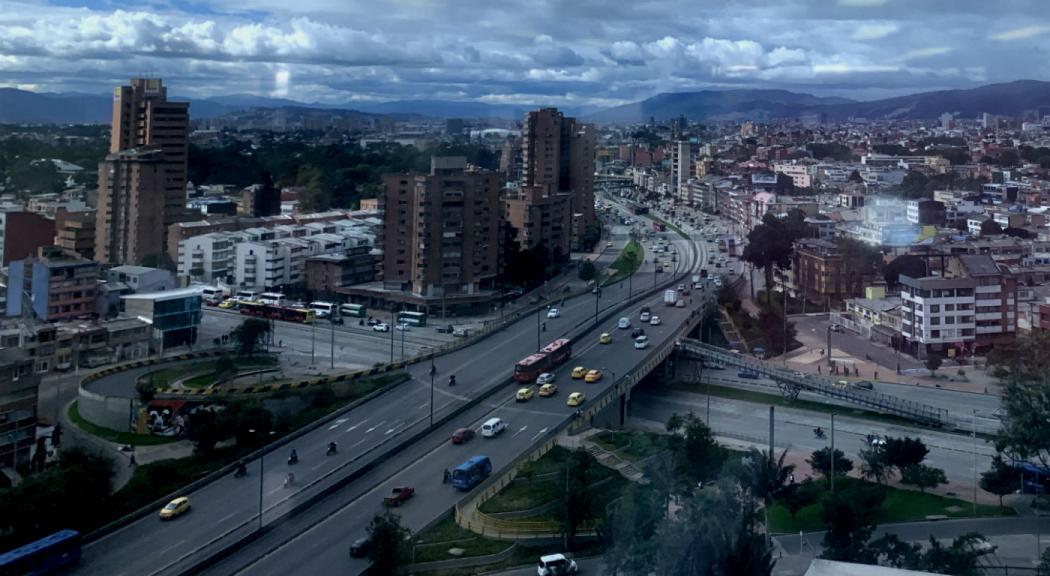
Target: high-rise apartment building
pixel 558 158
pixel 142 182
pixel 683 167
pixel 56 285
pixel 76 231
pixel 441 230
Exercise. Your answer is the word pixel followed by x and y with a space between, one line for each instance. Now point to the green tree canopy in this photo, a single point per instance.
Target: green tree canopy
pixel 820 461
pixel 391 548
pixel 250 335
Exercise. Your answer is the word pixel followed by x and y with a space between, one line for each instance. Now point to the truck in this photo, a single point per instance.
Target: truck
pixel 670 297
pixel 696 278
pixel 398 496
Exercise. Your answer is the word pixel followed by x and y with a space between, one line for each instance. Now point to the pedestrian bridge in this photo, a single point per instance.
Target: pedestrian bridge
pixel 792 382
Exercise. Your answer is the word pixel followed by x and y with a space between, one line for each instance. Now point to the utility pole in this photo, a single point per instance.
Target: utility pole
pixel 332 357
pixel 313 343
pixel 771 409
pixel 975 464
pixel 538 345
pixel 829 345
pixel 832 454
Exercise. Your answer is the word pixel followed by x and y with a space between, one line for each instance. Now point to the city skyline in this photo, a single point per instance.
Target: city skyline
pixel 579 54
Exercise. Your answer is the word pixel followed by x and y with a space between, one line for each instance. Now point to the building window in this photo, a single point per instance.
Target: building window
pixel 935 308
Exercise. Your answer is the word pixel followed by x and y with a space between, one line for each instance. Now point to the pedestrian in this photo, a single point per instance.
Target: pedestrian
pixel 818 369
pixel 132 462
pixel 280 343
pixel 876 375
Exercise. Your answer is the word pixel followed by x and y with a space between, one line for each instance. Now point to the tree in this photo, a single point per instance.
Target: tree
pixel 765 477
pixel 923 477
pixel 933 362
pixel 1025 366
pixel 849 517
pixel 390 548
pixel 907 265
pixel 1044 564
pixel 820 461
pixel 991 228
pixel 914 185
pixel 250 334
pixel 579 507
pixel 586 271
pixel 224 367
pixel 696 455
pixel 903 452
pixel 630 530
pixel 768 247
pixel 859 261
pixel 797 496
pixel 1019 233
pixel 1000 479
pixel 873 465
pixel 206 428
pixel 960 557
pixel 591 236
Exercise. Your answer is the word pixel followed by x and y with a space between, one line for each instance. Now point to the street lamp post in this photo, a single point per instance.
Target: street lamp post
pixel 538 312
pixel 831 455
pixel 433 369
pixel 313 343
pixel 829 344
pixel 332 358
pixel 262 453
pixel 597 296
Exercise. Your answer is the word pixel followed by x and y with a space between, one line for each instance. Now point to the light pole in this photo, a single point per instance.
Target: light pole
pixel 538 345
pixel 313 343
pixel 831 455
pixel 829 344
pixel 597 296
pixel 975 464
pixel 433 369
pixel 262 453
pixel 332 358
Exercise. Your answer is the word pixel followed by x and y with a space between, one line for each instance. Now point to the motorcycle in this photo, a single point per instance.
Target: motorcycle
pixel 331 449
pixel 452 380
pixel 818 432
pixel 289 480
pixel 241 471
pixel 293 459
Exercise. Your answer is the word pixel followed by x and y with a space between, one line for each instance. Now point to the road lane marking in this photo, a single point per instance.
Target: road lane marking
pixel 226 517
pixel 358 442
pixel 423 405
pixel 358 425
pixel 172 547
pixel 523 428
pixel 538 434
pixel 395 427
pixel 338 423
pixel 374 427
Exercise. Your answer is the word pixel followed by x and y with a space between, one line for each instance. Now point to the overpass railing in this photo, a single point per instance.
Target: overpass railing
pixel 823 385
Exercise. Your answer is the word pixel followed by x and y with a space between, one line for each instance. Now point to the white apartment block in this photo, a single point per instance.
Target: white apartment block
pixel 937 314
pixel 801 174
pixel 683 167
pixel 208 254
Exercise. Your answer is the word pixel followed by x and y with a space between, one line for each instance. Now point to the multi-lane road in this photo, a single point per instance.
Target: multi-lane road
pixel 227 509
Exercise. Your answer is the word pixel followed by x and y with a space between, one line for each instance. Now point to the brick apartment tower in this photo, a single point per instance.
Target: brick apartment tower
pixel 441 230
pixel 557 165
pixel 142 182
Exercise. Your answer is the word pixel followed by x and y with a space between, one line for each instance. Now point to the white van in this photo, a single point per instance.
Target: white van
pixel 272 298
pixel 246 296
pixel 213 295
pixel 323 309
pixel 492 427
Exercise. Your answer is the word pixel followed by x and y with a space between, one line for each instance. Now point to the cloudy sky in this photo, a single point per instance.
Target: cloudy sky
pixel 596 52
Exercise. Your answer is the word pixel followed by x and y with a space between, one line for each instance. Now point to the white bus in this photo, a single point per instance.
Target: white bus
pixel 353 310
pixel 412 318
pixel 213 295
pixel 323 309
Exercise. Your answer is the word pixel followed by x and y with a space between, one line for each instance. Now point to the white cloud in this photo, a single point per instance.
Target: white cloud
pixel 921 53
pixel 1021 33
pixel 874 30
pixel 862 3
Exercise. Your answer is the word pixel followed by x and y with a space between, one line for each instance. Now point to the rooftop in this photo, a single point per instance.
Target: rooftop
pixel 978 264
pixel 166 295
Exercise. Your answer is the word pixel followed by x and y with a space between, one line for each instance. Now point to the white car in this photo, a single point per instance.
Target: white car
pixel 655 320
pixel 644 317
pixel 624 323
pixel 402 327
pixel 641 342
pixel 556 564
pixel 545 378
pixel 381 327
pixel 553 313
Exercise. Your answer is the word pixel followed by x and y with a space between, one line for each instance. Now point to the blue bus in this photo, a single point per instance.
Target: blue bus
pixel 1034 479
pixel 48 555
pixel 470 473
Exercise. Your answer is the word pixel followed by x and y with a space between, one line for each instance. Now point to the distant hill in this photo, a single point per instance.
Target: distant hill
pixel 715 105
pixel 1009 99
pixel 459 109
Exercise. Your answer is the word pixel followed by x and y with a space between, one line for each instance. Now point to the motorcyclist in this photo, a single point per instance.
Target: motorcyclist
pixel 448 476
pixel 544 326
pixel 433 369
pixel 451 379
pixel 293 458
pixel 818 432
pixel 289 480
pixel 331 448
pixel 241 470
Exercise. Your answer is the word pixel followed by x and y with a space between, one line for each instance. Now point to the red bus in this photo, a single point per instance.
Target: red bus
pixel 558 352
pixel 530 367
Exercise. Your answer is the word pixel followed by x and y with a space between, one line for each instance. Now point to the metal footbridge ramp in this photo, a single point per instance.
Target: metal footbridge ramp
pixel 791 383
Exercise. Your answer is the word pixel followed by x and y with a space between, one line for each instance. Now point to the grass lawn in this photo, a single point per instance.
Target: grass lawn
pixel 113 435
pixel 447 531
pixel 899 506
pixel 203 372
pixel 525 495
pixel 632 444
pixel 627 262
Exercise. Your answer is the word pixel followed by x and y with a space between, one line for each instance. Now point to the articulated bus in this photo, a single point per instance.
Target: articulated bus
pixel 49 555
pixel 550 356
pixel 301 315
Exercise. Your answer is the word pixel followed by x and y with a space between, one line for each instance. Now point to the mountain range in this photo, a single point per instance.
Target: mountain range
pixel 1007 99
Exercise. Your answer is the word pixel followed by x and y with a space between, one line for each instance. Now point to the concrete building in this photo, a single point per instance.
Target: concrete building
pixel 441 230
pixel 261 199
pixel 995 298
pixel 801 174
pixel 510 160
pixel 327 273
pixel 558 155
pixel 174 315
pixel 208 258
pixel 19 387
pixel 540 219
pixel 61 285
pixel 142 182
pixel 937 315
pixel 925 212
pixel 817 268
pixel 23 233
pixel 75 231
pixel 683 167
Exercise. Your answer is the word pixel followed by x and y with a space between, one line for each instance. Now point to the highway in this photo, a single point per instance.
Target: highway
pixel 227 508
pixel 317 541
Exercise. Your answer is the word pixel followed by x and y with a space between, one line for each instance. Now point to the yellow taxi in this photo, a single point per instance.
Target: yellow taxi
pixel 605 338
pixel 548 389
pixel 575 399
pixel 228 304
pixel 176 507
pixel 523 395
pixel 592 376
pixel 579 372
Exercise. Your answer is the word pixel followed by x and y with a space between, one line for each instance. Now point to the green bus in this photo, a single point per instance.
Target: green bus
pixel 354 310
pixel 412 318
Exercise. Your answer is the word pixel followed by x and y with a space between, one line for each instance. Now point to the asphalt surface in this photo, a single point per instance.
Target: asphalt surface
pixel 228 508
